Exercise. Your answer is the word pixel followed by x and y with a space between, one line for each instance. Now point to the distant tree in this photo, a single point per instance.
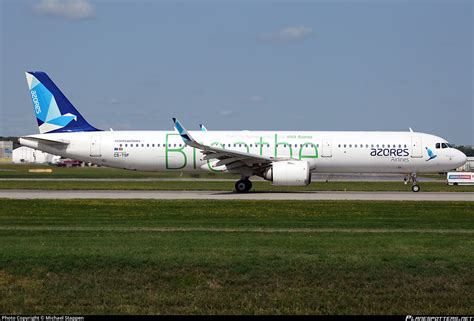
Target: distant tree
pixel 13 139
pixel 466 149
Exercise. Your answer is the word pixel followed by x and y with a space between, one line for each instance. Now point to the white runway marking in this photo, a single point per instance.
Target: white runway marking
pixel 222 195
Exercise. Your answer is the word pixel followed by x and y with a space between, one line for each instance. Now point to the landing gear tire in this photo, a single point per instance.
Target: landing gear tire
pixel 415 188
pixel 243 186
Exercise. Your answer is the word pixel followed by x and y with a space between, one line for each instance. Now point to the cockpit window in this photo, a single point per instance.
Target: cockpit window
pixel 450 145
pixel 443 145
pixel 438 145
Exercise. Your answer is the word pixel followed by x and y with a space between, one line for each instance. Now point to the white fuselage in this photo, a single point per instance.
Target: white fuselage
pixel 350 152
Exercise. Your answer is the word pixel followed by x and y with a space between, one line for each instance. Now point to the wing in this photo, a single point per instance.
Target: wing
pixel 233 160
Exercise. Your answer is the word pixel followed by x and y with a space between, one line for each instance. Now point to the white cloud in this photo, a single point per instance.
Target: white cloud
pixel 111 101
pixel 225 112
pixel 256 99
pixel 70 9
pixel 288 34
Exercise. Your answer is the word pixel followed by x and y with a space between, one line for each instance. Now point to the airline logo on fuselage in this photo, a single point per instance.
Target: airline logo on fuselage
pixel 431 155
pixel 35 102
pixel 394 152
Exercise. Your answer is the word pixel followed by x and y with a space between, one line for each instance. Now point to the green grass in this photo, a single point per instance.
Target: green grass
pixel 11 171
pixel 256 257
pixel 258 186
pixel 21 171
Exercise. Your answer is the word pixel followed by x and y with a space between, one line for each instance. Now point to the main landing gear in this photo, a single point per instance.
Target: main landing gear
pixel 412 178
pixel 243 185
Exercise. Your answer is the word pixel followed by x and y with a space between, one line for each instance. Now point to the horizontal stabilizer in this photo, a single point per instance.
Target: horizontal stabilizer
pixel 46 140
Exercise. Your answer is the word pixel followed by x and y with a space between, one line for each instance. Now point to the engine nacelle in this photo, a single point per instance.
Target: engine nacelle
pixel 288 173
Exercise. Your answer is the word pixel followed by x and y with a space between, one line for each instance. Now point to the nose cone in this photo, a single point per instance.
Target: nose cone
pixel 460 158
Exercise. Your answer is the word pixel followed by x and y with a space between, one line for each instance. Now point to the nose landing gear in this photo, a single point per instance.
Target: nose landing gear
pixel 412 178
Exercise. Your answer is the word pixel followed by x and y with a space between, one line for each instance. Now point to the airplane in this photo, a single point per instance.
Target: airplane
pixel 286 158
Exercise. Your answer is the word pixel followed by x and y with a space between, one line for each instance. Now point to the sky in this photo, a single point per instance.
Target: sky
pixel 245 65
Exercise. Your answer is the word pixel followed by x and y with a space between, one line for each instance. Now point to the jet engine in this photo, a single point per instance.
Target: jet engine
pixel 288 173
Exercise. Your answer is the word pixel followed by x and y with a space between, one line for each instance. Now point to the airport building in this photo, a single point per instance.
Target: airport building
pixel 29 155
pixel 6 148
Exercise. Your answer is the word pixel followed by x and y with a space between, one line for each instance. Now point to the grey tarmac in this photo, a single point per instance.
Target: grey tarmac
pixel 223 195
pixel 315 177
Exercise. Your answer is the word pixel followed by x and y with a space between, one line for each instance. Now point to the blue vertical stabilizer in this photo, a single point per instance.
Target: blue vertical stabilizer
pixel 54 112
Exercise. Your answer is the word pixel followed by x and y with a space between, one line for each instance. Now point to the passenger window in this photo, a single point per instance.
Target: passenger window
pixel 136 145
pixel 126 145
pixel 147 145
pixel 344 145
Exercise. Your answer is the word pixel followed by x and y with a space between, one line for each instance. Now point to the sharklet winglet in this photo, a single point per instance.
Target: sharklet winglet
pixel 188 140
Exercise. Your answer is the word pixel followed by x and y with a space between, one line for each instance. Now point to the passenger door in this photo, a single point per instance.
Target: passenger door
pixel 95 146
pixel 327 148
pixel 416 147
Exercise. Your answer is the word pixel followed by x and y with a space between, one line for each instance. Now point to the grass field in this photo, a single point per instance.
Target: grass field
pixel 21 171
pixel 285 257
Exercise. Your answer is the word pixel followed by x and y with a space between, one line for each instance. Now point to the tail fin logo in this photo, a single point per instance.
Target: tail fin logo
pixel 47 111
pixel 35 102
